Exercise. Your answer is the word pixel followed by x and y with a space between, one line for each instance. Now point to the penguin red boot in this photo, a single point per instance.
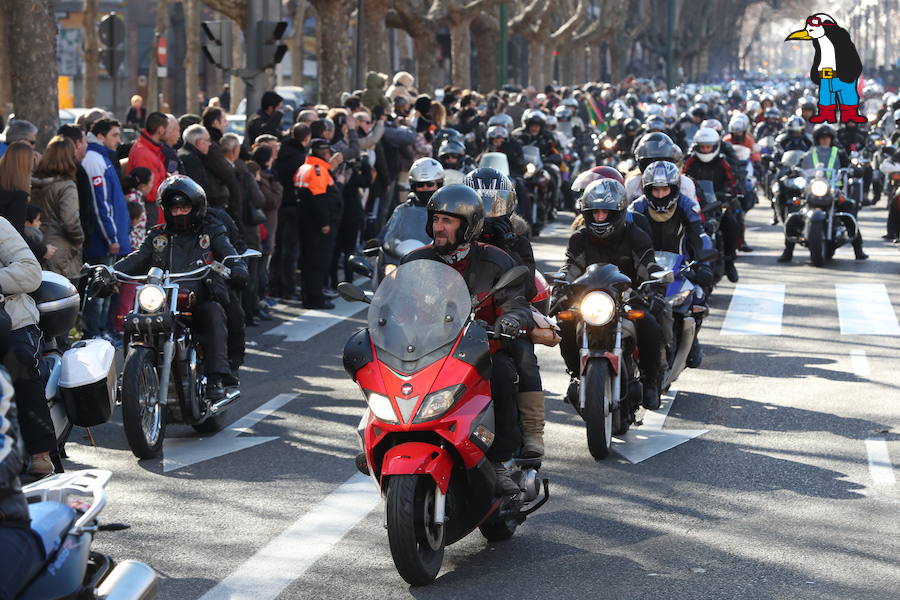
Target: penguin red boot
pixel 827 113
pixel 850 112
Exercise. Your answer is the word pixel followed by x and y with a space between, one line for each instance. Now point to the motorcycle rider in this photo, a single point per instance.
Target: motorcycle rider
pixel 852 137
pixel 609 237
pixel 452 155
pixel 625 140
pixel 508 231
pixel 533 133
pixel 190 238
pixel 824 155
pixel 794 137
pixel 455 221
pixel 707 163
pixel 675 226
pixel 770 125
pixel 653 147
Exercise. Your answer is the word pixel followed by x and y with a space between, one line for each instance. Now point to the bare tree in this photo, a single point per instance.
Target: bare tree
pixel 31 42
pixel 458 15
pixel 91 53
pixel 192 52
pixel 162 21
pixel 334 22
pixel 485 30
pixel 412 17
pixel 375 35
pixel 297 14
pixel 6 97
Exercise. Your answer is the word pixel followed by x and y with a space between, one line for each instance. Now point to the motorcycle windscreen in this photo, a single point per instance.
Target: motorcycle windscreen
pixel 669 261
pixel 792 158
pixel 407 223
pixel 418 309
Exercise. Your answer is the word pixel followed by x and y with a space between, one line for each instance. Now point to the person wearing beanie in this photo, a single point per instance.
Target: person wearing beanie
pixel 267 119
pixel 374 93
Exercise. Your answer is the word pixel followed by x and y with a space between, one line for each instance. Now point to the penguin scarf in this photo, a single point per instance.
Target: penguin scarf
pixel 836 68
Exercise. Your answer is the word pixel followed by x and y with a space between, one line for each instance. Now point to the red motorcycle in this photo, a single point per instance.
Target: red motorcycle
pixel 424 366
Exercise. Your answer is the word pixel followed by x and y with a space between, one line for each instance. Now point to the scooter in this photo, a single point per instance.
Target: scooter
pixel 65 510
pixel 423 365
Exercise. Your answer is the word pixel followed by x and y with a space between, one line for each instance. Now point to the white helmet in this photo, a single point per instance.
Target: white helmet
pixel 425 170
pixel 713 124
pixel 739 124
pixel 501 119
pixel 551 121
pixel 706 135
pixel 897 115
pixel 497 131
pixel 570 102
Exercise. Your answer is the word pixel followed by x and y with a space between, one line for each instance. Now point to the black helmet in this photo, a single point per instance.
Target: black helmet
pixel 796 125
pixel 631 125
pixel 459 201
pixel 498 195
pixel 179 190
pixel 449 134
pixel 608 195
pixel 661 174
pixel 772 113
pixel 821 131
pixel 656 146
pixel 698 111
pixel 451 148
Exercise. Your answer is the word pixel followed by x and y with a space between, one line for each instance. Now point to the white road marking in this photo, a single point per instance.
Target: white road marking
pixel 865 309
pixel 310 323
pixel 860 363
pixel 755 309
pixel 297 548
pixel 181 452
pixel 880 467
pixel 640 443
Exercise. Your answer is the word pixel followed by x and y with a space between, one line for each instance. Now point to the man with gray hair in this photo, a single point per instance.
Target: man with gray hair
pixel 196 145
pixel 170 139
pixel 19 130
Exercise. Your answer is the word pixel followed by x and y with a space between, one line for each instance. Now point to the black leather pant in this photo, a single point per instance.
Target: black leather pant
pixel 23 363
pixel 507 436
pixel 211 328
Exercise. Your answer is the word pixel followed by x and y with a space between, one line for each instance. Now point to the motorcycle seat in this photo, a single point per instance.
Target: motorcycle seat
pixel 51 521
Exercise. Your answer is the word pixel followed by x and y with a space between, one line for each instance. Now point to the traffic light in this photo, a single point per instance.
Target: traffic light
pixel 217 48
pixel 271 50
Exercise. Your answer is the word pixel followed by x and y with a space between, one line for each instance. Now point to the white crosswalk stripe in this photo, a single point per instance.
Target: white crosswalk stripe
pixel 755 309
pixel 865 309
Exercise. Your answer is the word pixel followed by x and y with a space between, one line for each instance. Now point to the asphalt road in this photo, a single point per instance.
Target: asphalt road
pixel 789 492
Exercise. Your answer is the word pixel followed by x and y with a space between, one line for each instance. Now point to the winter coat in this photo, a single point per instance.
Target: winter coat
pixel 374 93
pixel 403 86
pixel 291 157
pixel 13 506
pixel 20 274
pixel 149 154
pixel 60 223
pixel 12 207
pixel 253 198
pixel 113 223
pixel 261 123
pixel 193 164
pixel 224 190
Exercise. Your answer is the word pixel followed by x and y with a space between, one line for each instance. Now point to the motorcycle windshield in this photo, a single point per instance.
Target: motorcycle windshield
pixel 668 260
pixel 532 155
pixel 406 224
pixel 792 158
pixel 417 309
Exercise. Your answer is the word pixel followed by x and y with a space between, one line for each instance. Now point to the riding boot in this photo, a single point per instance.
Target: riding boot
pixel 827 113
pixel 788 253
pixel 531 416
pixel 850 112
pixel 857 248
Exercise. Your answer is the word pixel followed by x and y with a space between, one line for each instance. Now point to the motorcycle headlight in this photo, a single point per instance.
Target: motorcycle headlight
pixel 679 298
pixel 530 169
pixel 598 308
pixel 389 268
pixel 608 144
pixel 151 298
pixel 800 182
pixel 438 403
pixel 381 407
pixel 819 187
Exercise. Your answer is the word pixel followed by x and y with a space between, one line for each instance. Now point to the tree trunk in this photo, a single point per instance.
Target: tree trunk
pixel 237 62
pixel 6 97
pixel 375 38
pixel 594 68
pixel 297 16
pixel 460 54
pixel 91 54
pixel 333 25
pixel 31 36
pixel 424 45
pixel 568 63
pixel 536 75
pixel 191 53
pixel 153 86
pixel 487 40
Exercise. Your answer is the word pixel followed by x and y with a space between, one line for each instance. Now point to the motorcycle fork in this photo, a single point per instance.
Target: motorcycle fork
pixel 168 349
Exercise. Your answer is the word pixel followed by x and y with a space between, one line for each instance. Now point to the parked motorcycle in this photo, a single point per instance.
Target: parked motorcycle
pixel 423 364
pixel 80 382
pixel 609 391
pixel 826 219
pixel 163 379
pixel 65 510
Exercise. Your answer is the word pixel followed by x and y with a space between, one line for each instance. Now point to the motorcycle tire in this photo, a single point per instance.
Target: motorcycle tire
pixel 417 546
pixel 496 530
pixel 211 425
pixel 816 244
pixel 597 385
pixel 145 429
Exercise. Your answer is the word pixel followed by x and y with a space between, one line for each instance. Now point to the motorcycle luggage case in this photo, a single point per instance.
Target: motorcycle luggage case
pixel 57 302
pixel 87 382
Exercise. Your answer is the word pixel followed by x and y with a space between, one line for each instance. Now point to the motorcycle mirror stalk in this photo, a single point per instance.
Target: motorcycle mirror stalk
pixel 352 293
pixel 511 277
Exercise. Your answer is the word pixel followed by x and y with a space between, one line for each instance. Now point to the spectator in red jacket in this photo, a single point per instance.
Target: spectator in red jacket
pixel 148 152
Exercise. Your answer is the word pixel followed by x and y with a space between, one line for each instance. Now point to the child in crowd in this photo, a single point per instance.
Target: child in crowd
pixel 35 237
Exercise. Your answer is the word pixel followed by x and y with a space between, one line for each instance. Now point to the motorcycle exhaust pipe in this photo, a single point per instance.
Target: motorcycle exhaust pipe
pixel 228 399
pixel 130 580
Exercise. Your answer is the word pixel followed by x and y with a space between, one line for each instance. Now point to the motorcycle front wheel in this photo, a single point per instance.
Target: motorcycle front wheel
pixel 597 387
pixel 816 243
pixel 143 418
pixel 417 543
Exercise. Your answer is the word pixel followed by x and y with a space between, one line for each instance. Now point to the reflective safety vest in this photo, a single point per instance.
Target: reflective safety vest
pixel 831 159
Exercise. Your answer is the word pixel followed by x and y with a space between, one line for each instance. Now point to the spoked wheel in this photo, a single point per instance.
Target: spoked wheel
pixel 597 385
pixel 143 418
pixel 417 543
pixel 197 386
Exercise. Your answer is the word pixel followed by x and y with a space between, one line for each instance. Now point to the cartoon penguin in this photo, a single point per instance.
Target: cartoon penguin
pixel 835 69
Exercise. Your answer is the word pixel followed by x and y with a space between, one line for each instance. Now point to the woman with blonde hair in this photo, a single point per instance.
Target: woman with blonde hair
pixel 438 114
pixel 53 190
pixel 137 114
pixel 15 182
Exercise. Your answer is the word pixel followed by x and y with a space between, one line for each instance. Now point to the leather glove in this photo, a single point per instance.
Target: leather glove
pixel 102 284
pixel 701 274
pixel 501 231
pixel 508 325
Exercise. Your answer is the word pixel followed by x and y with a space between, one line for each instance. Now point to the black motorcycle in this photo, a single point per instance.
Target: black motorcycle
pixel 608 391
pixel 163 378
pixel 826 220
pixel 787 189
pixel 404 232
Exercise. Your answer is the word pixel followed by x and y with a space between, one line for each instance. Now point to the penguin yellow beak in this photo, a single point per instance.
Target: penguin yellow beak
pixel 799 35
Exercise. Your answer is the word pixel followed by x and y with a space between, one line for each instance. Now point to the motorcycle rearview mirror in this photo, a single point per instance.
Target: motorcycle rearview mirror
pixel 553 276
pixel 251 253
pixel 708 254
pixel 351 293
pixel 663 276
pixel 511 277
pixel 371 248
pixel 360 265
